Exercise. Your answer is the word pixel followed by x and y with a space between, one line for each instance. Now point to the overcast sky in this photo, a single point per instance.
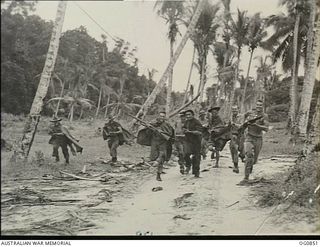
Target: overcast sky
pixel 138 23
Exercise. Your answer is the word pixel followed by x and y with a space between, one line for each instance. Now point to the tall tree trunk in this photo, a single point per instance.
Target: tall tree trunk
pixel 106 111
pixel 81 113
pixel 99 102
pixel 313 52
pixel 61 95
pixel 36 108
pixel 189 77
pixel 231 101
pixel 202 79
pixel 169 89
pixel 71 113
pixel 143 111
pixel 293 87
pixel 246 83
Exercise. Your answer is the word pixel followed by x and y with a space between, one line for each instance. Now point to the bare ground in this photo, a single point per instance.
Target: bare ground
pixel 36 199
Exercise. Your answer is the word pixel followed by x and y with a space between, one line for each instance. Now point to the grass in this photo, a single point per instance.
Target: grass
pixel 276 141
pixel 295 188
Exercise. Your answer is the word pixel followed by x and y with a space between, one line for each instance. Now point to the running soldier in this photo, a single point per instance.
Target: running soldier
pixel 215 125
pixel 192 129
pixel 203 118
pixel 161 140
pixel 61 137
pixel 113 133
pixel 253 139
pixel 179 141
pixel 236 142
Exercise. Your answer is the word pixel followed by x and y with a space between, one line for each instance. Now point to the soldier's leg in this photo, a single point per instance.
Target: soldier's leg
pixel 181 161
pixel 55 152
pixel 249 156
pixel 257 149
pixel 241 146
pixel 113 149
pixel 217 158
pixel 234 152
pixel 196 164
pixel 188 162
pixel 160 160
pixel 65 152
pixel 204 148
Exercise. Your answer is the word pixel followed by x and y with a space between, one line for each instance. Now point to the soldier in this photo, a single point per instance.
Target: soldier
pixel 61 137
pixel 113 133
pixel 193 132
pixel 215 123
pixel 161 139
pixel 204 141
pixel 236 142
pixel 179 142
pixel 253 139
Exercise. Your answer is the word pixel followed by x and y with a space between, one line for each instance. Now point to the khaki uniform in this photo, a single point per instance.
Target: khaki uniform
pixel 112 132
pixel 159 145
pixel 193 145
pixel 204 141
pixel 58 139
pixel 253 143
pixel 237 139
pixel 179 144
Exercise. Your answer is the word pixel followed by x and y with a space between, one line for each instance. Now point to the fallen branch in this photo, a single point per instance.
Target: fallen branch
pixel 175 112
pixel 81 178
pixel 232 204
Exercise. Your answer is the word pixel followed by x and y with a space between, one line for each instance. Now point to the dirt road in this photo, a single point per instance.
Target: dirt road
pixel 210 205
pixel 124 204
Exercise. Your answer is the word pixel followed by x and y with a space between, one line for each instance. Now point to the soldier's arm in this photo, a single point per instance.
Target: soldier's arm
pixel 198 129
pixel 265 125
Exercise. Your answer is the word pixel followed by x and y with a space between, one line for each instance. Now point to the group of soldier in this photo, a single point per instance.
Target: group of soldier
pixel 190 138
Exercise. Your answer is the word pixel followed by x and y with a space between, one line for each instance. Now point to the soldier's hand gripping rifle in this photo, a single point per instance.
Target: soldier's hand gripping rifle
pixel 247 123
pixel 149 126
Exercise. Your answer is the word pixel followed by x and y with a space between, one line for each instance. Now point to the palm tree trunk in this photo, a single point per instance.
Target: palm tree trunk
pixel 246 83
pixel 36 108
pixel 99 102
pixel 231 101
pixel 61 95
pixel 189 77
pixel 202 79
pixel 169 89
pixel 293 87
pixel 106 112
pixel 71 113
pixel 143 111
pixel 313 52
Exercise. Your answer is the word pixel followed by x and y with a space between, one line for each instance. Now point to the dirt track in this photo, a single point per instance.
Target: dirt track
pixel 126 205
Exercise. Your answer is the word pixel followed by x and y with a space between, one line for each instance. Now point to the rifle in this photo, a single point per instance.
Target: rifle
pixel 149 126
pixel 245 124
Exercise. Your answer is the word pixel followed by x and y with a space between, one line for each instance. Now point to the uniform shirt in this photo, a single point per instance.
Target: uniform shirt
pixel 215 121
pixel 256 131
pixel 55 129
pixel 164 127
pixel 193 125
pixel 109 128
pixel 178 127
pixel 236 122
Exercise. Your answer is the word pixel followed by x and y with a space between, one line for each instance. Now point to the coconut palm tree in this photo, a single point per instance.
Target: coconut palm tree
pixel 313 51
pixel 37 105
pixel 142 112
pixel 256 33
pixel 288 42
pixel 171 12
pixel 239 30
pixel 203 36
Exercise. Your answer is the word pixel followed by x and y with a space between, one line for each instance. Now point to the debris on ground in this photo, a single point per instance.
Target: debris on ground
pixel 183 217
pixel 181 200
pixel 155 189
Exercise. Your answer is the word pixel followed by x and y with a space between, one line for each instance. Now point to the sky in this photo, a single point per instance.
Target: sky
pixel 138 23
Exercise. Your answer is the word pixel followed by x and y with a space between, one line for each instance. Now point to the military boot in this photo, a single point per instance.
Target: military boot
pixel 158 176
pixel 235 168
